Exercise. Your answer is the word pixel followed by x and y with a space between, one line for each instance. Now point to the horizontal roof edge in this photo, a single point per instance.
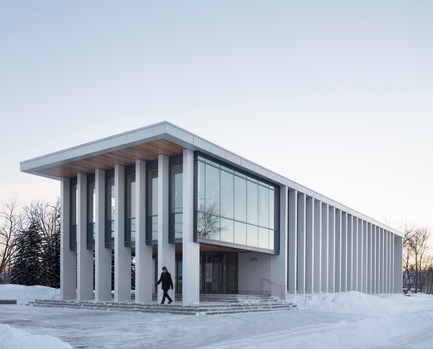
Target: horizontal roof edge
pixel 185 139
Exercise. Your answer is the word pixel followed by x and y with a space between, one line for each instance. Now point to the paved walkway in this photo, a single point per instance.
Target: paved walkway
pixel 124 330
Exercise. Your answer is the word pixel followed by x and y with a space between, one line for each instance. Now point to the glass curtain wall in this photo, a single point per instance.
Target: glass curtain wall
pixel 176 199
pixel 130 212
pixel 109 209
pixel 234 208
pixel 73 209
pixel 152 203
pixel 91 211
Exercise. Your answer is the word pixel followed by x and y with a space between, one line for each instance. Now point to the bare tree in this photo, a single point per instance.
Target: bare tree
pixel 416 248
pixel 209 221
pixel 10 226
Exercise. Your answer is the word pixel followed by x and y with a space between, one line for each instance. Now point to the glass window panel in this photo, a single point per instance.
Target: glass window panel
pixel 74 202
pixel 109 208
pixel 234 208
pixel 252 202
pixel 212 190
pixel 208 226
pixel 272 239
pixel 227 230
pixel 176 188
pixel 130 196
pixel 240 233
pixel 152 203
pixel 240 199
pixel 130 207
pixel 263 206
pixel 252 235
pixel 201 191
pixel 176 200
pixel 263 238
pixel 154 225
pixel 272 213
pixel 227 195
pixel 73 208
pixel 91 197
pixel 178 225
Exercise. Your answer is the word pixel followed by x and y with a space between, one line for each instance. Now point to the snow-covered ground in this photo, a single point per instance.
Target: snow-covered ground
pixel 338 321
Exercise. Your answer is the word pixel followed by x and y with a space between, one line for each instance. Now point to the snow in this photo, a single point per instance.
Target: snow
pixel 338 321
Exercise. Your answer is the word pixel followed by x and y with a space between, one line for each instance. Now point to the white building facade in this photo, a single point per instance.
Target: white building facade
pixel 161 196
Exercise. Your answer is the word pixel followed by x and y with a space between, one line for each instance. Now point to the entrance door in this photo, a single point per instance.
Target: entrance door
pixel 219 272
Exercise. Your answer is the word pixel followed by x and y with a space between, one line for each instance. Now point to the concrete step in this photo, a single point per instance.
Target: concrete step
pixel 174 308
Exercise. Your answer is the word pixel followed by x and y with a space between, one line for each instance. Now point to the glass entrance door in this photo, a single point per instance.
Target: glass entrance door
pixel 219 272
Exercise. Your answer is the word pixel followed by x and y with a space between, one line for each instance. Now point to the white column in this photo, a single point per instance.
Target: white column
pixel 309 277
pixel 355 253
pixel 365 257
pixel 373 258
pixel 382 260
pixel 388 261
pixel 343 251
pixel 293 242
pixel 302 204
pixel 325 248
pixel 166 251
pixel 317 246
pixel 102 254
pixel 371 253
pixel 279 262
pixel 337 250
pixel 84 255
pixel 122 254
pixel 143 253
pixel 331 264
pixel 68 257
pixel 349 253
pixel 377 260
pixel 190 249
pixel 360 255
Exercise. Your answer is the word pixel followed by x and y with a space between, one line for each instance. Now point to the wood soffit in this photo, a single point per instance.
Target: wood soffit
pixel 127 156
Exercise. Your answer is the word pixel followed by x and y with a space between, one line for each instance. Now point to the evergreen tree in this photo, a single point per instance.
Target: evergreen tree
pixel 28 261
pixel 51 257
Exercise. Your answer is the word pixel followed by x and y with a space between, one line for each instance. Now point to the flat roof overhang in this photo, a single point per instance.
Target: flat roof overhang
pixel 123 149
pixel 146 144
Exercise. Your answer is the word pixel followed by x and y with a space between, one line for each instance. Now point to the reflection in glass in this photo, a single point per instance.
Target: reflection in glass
pixel 235 208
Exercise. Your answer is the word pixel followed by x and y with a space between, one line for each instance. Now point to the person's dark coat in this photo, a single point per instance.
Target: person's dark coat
pixel 166 281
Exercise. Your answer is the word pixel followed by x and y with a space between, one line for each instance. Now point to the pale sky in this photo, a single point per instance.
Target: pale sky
pixel 335 95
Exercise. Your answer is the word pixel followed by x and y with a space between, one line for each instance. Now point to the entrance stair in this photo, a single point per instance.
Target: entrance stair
pixel 210 305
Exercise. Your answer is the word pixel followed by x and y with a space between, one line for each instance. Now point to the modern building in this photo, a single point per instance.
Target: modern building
pixel 161 196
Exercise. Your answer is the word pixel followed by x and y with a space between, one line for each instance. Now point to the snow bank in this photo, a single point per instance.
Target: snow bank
pixel 24 294
pixel 11 338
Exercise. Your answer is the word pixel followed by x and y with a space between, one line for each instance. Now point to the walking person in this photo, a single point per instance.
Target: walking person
pixel 167 283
